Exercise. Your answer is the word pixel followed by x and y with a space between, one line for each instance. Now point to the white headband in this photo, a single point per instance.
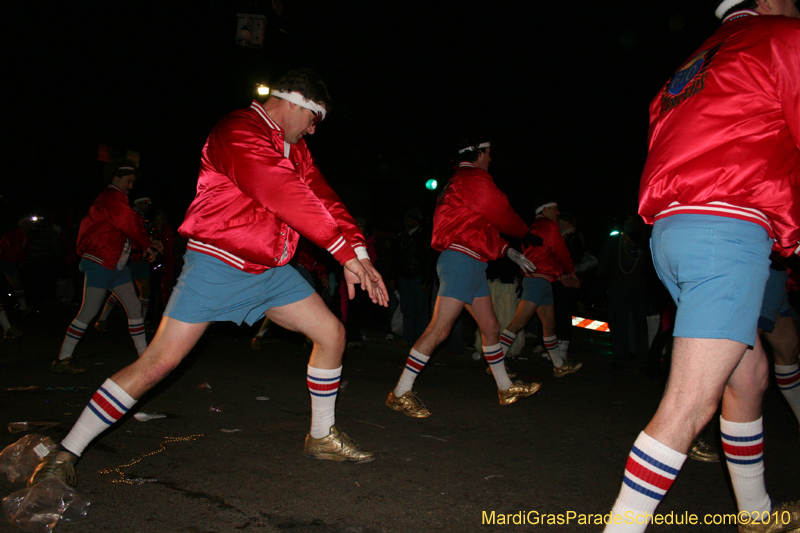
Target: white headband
pixel 470 148
pixel 725 6
pixel 298 99
pixel 541 207
pixel 126 168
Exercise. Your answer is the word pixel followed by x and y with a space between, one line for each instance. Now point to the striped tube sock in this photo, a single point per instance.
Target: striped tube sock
pixel 20 296
pixel 789 382
pixel 4 318
pixel 649 474
pixel 74 333
pixel 323 384
pixel 743 443
pixel 108 308
pixel 136 329
pixel 506 340
pixel 107 406
pixel 145 305
pixel 414 365
pixel 494 356
pixel 551 345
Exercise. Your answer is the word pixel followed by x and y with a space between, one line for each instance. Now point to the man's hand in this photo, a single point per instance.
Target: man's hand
pixel 149 255
pixel 570 280
pixel 363 273
pixel 524 263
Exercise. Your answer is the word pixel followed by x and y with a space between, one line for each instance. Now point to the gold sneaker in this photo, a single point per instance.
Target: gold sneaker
pixel 337 446
pixel 58 465
pixel 784 518
pixel 518 389
pixel 12 333
pixel 703 451
pixel 408 404
pixel 567 368
pixel 66 366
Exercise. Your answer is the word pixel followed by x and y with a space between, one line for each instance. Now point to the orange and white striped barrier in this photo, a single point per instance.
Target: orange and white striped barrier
pixel 588 323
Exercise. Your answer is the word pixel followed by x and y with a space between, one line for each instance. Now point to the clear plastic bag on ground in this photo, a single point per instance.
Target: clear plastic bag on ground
pixel 42 506
pixel 19 460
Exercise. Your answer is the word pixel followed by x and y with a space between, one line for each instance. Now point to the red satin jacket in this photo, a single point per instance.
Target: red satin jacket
pixel 256 193
pixel 724 133
pixel 551 258
pixel 109 223
pixel 470 214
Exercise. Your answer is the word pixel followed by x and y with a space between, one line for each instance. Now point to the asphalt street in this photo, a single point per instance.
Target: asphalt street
pixel 559 453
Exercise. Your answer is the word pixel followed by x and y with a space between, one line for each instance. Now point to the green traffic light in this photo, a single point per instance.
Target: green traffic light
pixel 431 184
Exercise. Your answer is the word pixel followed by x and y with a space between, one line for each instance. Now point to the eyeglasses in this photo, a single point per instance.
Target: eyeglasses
pixel 317 118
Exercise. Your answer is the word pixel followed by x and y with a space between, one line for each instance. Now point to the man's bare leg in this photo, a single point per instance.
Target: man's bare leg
pixel 786 347
pixel 482 310
pixel 525 311
pixel 118 394
pixel 402 399
pixel 312 318
pixel 703 370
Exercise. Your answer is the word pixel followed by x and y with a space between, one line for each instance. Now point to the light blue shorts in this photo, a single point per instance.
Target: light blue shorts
pixel 140 270
pixel 716 269
pixel 538 291
pixel 208 290
pixel 100 277
pixel 776 302
pixel 306 274
pixel 461 277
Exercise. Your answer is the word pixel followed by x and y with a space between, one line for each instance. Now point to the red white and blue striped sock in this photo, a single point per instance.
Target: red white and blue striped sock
pixel 20 296
pixel 108 405
pixel 4 318
pixel 111 303
pixel 506 340
pixel 323 384
pixel 496 358
pixel 414 365
pixel 649 473
pixel 74 333
pixel 551 345
pixel 743 443
pixel 136 329
pixel 788 377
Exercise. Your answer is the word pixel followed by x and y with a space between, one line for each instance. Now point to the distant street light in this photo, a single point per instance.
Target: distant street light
pixel 262 89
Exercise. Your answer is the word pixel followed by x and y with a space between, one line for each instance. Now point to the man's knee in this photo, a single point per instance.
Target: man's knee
pixel 492 328
pixel 332 336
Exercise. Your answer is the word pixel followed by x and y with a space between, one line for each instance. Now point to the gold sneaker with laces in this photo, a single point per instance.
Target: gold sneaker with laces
pixel 703 451
pixel 12 333
pixel 408 404
pixel 518 389
pixel 784 518
pixel 336 446
pixel 567 368
pixel 55 465
pixel 66 366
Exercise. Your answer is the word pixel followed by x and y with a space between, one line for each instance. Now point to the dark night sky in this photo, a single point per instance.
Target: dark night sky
pixel 562 88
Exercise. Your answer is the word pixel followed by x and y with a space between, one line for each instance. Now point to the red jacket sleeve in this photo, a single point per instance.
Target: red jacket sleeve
pixel 553 239
pixel 334 205
pixel 261 172
pixel 125 219
pixel 483 197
